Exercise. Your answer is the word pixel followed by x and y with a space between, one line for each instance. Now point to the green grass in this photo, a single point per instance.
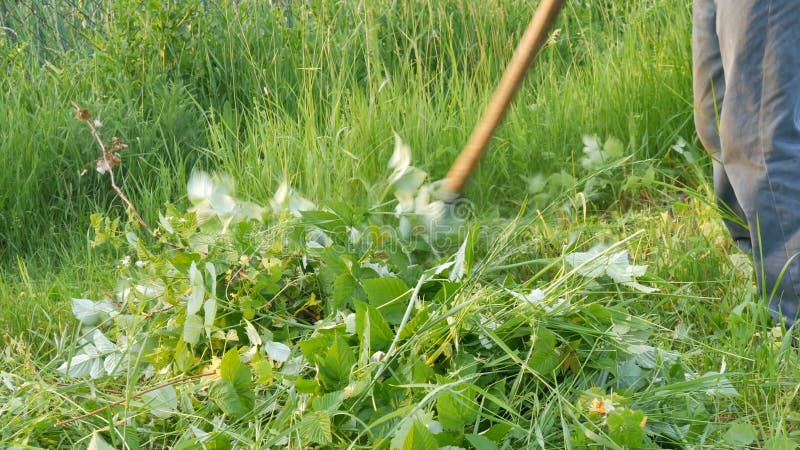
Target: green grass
pixel 312 92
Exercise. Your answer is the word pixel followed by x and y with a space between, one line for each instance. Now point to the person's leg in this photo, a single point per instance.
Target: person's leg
pixel 759 43
pixel 709 90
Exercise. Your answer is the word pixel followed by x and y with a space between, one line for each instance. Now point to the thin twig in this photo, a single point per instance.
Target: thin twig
pixel 88 121
pixel 158 311
pixel 135 395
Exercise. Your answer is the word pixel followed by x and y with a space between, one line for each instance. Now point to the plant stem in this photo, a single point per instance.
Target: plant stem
pixel 114 186
pixel 135 395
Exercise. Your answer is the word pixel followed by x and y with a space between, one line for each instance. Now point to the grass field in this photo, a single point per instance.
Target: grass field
pixel 599 148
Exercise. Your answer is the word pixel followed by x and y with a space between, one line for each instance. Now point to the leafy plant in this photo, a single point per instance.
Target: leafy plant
pixel 292 325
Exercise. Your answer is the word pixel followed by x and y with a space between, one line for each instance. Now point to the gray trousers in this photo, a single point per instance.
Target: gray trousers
pixel 746 59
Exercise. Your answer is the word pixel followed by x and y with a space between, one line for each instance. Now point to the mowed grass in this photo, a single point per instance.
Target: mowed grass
pixel 313 91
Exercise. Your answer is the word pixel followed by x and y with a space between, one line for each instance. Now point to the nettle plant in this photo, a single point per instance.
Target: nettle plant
pixel 288 325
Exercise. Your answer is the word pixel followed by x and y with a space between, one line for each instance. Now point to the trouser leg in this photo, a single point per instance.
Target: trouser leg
pixel 709 91
pixel 759 45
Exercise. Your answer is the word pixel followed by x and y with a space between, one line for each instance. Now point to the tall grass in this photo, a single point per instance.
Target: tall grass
pixel 311 91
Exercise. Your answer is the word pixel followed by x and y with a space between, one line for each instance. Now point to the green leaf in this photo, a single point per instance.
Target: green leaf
pixel 89 312
pixel 195 301
pixel 98 443
pixel 614 148
pixel 162 402
pixel 131 438
pixel 497 431
pixel 780 443
pixel 415 323
pixel 209 313
pixel 741 434
pixel 343 288
pixel 625 427
pixel 481 442
pixel 328 402
pixel 184 359
pixel 192 328
pixel 336 365
pixel 314 348
pixel 325 220
pixel 233 392
pixel 306 386
pixel 463 260
pixel 263 371
pixel 389 295
pixel 219 441
pixel 456 409
pixel 419 438
pixel 367 317
pixel 277 351
pixel 316 428
pixel 421 372
pixel 544 358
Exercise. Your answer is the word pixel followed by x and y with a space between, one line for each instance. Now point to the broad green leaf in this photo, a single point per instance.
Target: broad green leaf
pixel 209 313
pixel 306 386
pixel 252 334
pixel 420 371
pixel 343 288
pixel 316 428
pixel 102 343
pixel 481 442
pixel 224 394
pixel 98 443
pixel 82 365
pixel 113 363
pixel 263 371
pixel 626 427
pixel 328 402
pixel 389 295
pixel 218 441
pixel 335 367
pixel 614 148
pixel 380 335
pixel 232 369
pixel 780 443
pixel 419 438
pixel 131 437
pixel 497 431
pixel 192 328
pixel 314 348
pixel 598 262
pixel 198 291
pixel 325 220
pixel 233 392
pixel 184 358
pixel 89 312
pixel 741 434
pixel 162 402
pixel 456 409
pixel 212 273
pixel 277 351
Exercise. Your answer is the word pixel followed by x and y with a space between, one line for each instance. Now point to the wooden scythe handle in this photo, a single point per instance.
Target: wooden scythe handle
pixel 532 41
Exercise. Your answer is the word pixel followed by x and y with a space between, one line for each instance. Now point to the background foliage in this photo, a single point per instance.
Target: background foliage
pixel 598 149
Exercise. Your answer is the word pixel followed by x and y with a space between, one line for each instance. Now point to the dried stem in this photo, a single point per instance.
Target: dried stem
pixel 85 117
pixel 135 395
pixel 158 311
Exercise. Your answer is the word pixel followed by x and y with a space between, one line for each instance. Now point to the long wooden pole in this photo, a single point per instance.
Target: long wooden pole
pixel 532 41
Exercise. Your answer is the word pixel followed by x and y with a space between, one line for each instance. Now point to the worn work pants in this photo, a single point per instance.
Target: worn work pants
pixel 746 58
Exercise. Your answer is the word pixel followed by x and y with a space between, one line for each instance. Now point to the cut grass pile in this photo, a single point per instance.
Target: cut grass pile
pixel 597 150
